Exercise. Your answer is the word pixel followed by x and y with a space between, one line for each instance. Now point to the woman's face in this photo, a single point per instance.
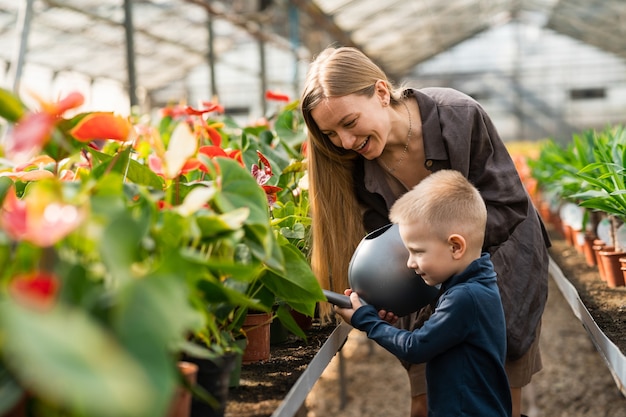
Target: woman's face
pixel 355 122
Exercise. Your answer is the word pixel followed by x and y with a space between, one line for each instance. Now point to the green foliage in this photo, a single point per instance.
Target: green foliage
pixel 142 265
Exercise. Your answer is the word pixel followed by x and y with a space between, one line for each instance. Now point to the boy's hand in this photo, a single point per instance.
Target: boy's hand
pixel 346 313
pixel 388 316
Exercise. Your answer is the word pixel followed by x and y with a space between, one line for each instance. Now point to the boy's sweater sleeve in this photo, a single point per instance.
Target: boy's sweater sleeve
pixel 443 330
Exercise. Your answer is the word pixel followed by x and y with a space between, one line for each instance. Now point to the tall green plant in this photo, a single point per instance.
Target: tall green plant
pixel 605 177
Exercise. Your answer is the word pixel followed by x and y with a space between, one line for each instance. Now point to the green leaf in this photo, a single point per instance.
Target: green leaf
pixel 67 357
pixel 283 313
pixel 120 243
pixel 11 108
pixel 121 163
pixel 5 185
pixel 298 286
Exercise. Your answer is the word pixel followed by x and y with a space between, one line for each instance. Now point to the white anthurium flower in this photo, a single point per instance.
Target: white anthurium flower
pixel 304 182
pixel 236 218
pixel 195 200
pixel 183 145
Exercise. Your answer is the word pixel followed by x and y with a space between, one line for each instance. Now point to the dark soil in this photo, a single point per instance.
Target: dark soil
pixel 606 305
pixel 263 385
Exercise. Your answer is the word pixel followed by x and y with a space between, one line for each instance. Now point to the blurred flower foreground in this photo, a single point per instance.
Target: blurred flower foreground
pixel 126 243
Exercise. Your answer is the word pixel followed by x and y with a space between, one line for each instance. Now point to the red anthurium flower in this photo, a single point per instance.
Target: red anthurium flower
pixel 102 125
pixel 173 111
pixel 236 155
pixel 212 151
pixel 304 149
pixel 262 174
pixel 272 193
pixel 213 107
pixel 37 289
pixel 209 107
pixel 191 165
pixel 215 136
pixel 274 96
pixel 263 171
pixel 33 130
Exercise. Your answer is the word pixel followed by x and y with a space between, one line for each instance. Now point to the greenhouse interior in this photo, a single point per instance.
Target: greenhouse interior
pixel 163 169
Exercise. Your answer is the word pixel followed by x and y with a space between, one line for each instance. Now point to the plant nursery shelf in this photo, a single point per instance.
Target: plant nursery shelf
pixel 278 387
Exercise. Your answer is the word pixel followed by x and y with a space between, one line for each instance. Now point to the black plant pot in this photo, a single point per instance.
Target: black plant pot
pixel 214 378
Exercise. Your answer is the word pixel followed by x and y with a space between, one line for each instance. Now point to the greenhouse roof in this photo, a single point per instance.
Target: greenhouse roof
pixel 171 36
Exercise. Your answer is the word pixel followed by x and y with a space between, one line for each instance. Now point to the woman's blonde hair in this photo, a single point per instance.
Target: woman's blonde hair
pixel 337 217
pixel 448 203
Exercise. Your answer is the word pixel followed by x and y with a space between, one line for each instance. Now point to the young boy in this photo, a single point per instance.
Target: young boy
pixel 442 224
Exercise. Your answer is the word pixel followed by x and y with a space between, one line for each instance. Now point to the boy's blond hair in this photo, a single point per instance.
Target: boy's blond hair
pixel 448 203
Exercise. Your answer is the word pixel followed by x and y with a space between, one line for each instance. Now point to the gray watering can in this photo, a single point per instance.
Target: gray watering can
pixel 378 273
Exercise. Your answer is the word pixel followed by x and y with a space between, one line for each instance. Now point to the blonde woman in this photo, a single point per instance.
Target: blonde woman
pixel 369 143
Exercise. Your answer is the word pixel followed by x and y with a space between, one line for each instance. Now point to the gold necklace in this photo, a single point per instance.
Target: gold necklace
pixel 406 146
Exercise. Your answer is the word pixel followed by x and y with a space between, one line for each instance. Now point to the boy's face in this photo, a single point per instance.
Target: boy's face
pixel 430 256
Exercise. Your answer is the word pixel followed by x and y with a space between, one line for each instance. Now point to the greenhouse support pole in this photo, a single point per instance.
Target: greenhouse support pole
pixel 23 29
pixel 263 76
pixel 294 37
pixel 211 57
pixel 130 53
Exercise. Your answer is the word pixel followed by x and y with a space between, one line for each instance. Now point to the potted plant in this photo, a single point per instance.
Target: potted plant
pixel 607 194
pixel 128 241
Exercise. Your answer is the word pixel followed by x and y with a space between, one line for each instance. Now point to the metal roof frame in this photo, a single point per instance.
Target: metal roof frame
pixel 171 37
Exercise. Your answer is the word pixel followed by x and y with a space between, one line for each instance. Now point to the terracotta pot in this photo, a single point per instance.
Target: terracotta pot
pixel 256 327
pixel 578 239
pixel 567 234
pixel 181 404
pixel 590 256
pixel 598 246
pixel 623 267
pixel 612 268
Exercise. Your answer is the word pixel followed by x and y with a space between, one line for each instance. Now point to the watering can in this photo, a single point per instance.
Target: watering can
pixel 379 274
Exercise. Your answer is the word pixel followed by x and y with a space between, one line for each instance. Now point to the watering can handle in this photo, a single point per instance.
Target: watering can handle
pixel 340 300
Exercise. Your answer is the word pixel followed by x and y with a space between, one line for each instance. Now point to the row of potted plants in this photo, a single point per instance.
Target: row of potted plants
pixel 581 188
pixel 127 244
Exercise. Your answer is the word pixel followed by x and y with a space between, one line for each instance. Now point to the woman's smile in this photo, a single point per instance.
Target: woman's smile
pixel 362 145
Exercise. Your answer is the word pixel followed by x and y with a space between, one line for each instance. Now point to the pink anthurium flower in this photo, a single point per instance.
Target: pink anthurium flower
pixel 32 170
pixel 33 130
pixel 37 218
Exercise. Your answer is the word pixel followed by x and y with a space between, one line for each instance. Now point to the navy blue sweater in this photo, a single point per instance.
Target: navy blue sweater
pixel 463 344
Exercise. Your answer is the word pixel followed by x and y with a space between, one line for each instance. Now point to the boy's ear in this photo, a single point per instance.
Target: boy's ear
pixel 458 245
